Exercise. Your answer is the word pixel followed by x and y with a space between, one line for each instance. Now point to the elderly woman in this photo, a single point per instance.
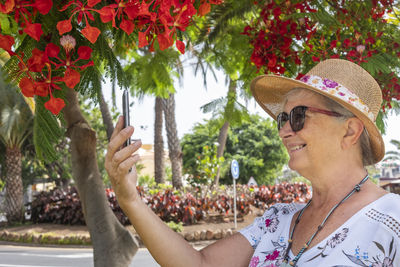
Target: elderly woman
pixel 326 123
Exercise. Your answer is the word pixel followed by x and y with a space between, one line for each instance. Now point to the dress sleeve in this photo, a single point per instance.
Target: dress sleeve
pixel 253 232
pixel 273 222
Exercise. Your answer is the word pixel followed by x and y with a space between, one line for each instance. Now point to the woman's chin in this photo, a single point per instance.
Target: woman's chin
pixel 295 165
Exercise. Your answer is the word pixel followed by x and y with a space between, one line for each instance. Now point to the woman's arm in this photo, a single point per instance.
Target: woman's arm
pixel 167 247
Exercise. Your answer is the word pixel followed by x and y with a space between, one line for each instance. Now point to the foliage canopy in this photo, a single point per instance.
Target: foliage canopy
pixel 255 145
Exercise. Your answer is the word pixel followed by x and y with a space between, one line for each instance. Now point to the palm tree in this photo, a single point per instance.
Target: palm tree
pixel 393 154
pixel 174 147
pixel 158 81
pixel 223 47
pixel 159 164
pixel 16 120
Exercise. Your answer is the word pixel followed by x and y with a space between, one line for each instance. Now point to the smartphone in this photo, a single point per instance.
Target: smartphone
pixel 125 111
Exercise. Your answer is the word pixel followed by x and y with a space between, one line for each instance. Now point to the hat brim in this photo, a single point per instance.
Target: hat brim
pixel 269 91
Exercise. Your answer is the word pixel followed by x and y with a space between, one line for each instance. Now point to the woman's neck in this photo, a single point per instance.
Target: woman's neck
pixel 328 188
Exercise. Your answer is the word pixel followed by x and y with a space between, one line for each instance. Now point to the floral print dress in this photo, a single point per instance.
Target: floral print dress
pixel 371 237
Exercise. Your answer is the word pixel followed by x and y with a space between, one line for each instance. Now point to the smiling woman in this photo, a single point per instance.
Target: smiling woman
pixel 330 138
pixel 324 142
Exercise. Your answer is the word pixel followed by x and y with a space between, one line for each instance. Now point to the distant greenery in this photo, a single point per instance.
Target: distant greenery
pixel 176 227
pixel 255 145
pixel 207 165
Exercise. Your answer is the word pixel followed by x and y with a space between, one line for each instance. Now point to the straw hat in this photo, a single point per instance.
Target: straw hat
pixel 343 81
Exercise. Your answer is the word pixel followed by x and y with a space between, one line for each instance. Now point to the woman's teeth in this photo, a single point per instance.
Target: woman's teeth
pixel 297 147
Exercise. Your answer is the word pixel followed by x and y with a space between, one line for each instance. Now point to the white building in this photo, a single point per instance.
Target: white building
pixel 390 176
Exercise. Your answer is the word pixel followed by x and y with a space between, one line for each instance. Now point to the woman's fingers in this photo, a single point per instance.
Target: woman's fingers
pixel 119 161
pixel 117 141
pixel 128 163
pixel 118 127
pixel 125 153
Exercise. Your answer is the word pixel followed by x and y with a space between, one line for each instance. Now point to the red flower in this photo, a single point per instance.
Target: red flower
pixel 47 83
pixel 315 59
pixel 37 61
pixel 7 7
pixel 43 6
pixel 299 76
pixel 64 26
pixel 92 3
pixel 71 78
pixel 84 52
pixel 51 50
pixel 142 39
pixel 107 14
pixel 352 53
pixel 27 87
pixel 333 44
pixel 180 46
pixel 127 26
pixel 6 42
pixel 369 40
pixel 91 33
pixel 204 9
pixel 34 30
pixel 20 9
pixel 126 11
pixel 84 11
pixel 277 12
pixel 42 88
pixel 55 105
pixel 346 43
pixel 164 41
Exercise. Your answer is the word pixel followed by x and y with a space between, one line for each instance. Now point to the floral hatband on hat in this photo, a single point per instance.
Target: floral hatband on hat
pixel 340 80
pixel 339 91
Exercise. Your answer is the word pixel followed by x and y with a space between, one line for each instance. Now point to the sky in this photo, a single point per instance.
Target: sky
pixel 191 95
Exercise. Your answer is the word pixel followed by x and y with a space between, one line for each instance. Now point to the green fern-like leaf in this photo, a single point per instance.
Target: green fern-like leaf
pixel 46 132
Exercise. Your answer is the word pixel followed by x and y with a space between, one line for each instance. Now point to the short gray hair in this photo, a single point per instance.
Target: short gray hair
pixel 365 145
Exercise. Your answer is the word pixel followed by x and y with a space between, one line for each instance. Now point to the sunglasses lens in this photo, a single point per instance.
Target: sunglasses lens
pixel 282 118
pixel 297 117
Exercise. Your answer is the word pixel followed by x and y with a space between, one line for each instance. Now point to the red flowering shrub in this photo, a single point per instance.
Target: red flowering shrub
pixel 64 207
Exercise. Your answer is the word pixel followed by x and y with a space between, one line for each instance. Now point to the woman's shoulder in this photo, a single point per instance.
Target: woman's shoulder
pixel 385 212
pixel 388 204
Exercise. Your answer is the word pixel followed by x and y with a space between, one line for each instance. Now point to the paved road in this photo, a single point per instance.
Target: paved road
pixel 21 256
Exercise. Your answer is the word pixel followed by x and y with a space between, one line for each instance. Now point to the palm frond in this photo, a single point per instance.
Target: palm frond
pixel 216 105
pixel 395 143
pixel 15 115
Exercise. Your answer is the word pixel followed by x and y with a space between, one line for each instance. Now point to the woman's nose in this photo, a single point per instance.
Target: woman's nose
pixel 286 130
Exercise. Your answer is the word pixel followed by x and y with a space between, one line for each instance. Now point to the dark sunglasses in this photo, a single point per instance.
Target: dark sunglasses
pixel 297 116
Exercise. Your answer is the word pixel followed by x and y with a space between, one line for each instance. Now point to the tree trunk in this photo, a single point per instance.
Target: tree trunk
pixel 159 164
pixel 105 113
pixel 174 147
pixel 223 132
pixel 223 135
pixel 113 244
pixel 14 188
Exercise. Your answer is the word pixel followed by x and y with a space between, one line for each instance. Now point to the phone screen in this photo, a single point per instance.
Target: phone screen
pixel 125 111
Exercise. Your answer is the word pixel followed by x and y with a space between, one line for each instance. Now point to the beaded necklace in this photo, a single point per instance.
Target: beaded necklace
pixel 293 262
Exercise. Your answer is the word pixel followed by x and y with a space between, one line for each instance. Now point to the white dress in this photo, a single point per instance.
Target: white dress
pixel 371 237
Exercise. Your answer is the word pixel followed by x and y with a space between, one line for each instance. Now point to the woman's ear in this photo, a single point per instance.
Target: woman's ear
pixel 354 128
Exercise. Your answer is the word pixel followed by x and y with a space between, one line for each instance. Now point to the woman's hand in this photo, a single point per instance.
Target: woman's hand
pixel 119 160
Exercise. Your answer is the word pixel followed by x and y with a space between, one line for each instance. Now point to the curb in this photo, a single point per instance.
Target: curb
pixel 197 238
